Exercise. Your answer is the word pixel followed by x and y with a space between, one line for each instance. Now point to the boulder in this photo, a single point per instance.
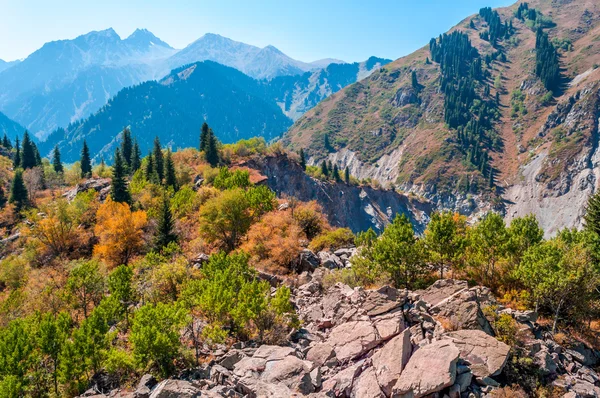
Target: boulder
pixel 272 352
pixel 441 290
pixel 229 360
pixel 308 261
pixel 366 386
pixel 485 354
pixel 340 385
pixel 252 387
pixel 249 367
pixel 144 387
pixel 322 354
pixel 100 185
pixel 290 371
pixel 389 361
pixel 430 369
pixel 463 311
pixel 352 339
pixel 330 260
pixel 175 389
pixel 389 325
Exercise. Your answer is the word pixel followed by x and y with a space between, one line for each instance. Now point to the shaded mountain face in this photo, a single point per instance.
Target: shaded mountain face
pixel 68 79
pixel 487 128
pixel 235 105
pixel 174 109
pixel 9 127
pixel 5 65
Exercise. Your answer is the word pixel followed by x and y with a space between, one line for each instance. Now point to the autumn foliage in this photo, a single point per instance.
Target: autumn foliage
pixel 120 232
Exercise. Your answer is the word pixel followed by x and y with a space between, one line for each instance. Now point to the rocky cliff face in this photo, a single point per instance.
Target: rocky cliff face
pixel 356 207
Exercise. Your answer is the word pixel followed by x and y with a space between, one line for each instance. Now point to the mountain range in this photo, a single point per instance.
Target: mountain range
pixel 235 105
pixel 500 113
pixel 68 80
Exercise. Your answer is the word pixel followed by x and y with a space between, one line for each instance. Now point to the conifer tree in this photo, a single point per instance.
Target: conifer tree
pixel 347 175
pixel 86 161
pixel 38 157
pixel 326 143
pixel 164 230
pixel 592 214
pixel 2 197
pixel 118 188
pixel 211 152
pixel 302 159
pixel 415 82
pixel 159 161
pixel 126 147
pixel 170 176
pixel 18 191
pixel 17 159
pixel 136 157
pixel 336 173
pixel 149 171
pixel 6 142
pixel 56 163
pixel 204 134
pixel 324 169
pixel 28 156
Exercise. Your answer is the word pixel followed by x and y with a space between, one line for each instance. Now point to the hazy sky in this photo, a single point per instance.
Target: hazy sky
pixel 307 30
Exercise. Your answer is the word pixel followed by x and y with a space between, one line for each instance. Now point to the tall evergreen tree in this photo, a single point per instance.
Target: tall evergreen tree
pixel 212 149
pixel 347 175
pixel 6 142
pixel 159 161
pixel 56 163
pixel 165 229
pixel 336 172
pixel 86 161
pixel 118 189
pixel 126 147
pixel 149 171
pixel 18 191
pixel 302 159
pixel 17 159
pixel 2 197
pixel 324 169
pixel 28 157
pixel 592 214
pixel 170 176
pixel 36 153
pixel 136 157
pixel 547 66
pixel 204 134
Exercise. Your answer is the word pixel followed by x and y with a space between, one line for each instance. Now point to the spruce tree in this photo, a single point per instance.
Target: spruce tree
pixel 164 230
pixel 204 134
pixel 159 162
pixel 149 171
pixel 18 191
pixel 347 175
pixel 17 159
pixel 2 197
pixel 56 163
pixel 28 156
pixel 326 143
pixel 118 188
pixel 136 157
pixel 170 176
pixel 592 214
pixel 336 173
pixel 302 159
pixel 324 169
pixel 38 157
pixel 6 142
pixel 415 82
pixel 86 161
pixel 126 147
pixel 211 152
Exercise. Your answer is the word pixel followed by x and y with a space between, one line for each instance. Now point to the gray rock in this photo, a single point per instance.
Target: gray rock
pixel 389 361
pixel 309 261
pixel 486 355
pixel 340 385
pixel 352 339
pixel 430 369
pixel 366 386
pixel 322 354
pixel 290 371
pixel 229 360
pixel 330 260
pixel 175 389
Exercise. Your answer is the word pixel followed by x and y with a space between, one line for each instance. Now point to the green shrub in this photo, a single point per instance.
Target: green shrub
pixel 333 240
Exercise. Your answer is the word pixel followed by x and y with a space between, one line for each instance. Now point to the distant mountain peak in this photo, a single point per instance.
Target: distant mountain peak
pixel 106 33
pixel 143 37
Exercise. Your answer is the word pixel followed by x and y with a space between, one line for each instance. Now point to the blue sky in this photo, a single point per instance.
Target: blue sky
pixel 307 30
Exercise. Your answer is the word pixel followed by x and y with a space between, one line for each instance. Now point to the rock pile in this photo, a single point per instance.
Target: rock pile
pixel 379 343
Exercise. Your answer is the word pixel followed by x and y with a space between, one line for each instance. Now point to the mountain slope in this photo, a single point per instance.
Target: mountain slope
pixel 10 127
pixel 535 153
pixel 68 79
pixel 260 63
pixel 174 109
pixel 235 105
pixel 5 65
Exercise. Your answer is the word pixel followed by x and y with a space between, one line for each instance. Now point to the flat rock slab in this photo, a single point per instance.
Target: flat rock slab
pixel 430 369
pixel 485 354
pixel 175 389
pixel 441 290
pixel 352 339
pixel 389 361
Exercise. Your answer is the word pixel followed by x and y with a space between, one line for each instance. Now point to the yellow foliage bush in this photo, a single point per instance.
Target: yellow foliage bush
pixel 274 242
pixel 120 232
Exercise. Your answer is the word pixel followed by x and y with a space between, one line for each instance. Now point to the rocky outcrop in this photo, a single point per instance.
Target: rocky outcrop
pixel 356 207
pixel 100 185
pixel 379 343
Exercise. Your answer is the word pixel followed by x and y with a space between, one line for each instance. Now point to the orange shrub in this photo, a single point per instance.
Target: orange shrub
pixel 274 242
pixel 120 232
